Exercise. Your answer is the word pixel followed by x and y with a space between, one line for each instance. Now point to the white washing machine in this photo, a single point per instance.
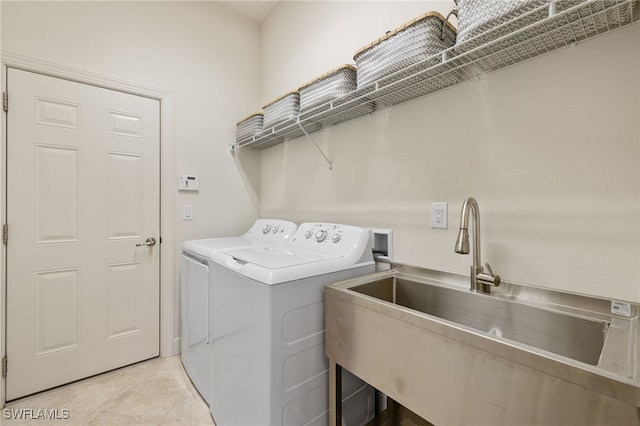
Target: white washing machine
pixel 268 364
pixel 194 283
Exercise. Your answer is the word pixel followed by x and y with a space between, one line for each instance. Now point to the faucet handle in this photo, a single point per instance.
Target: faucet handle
pixel 489 278
pixel 486 265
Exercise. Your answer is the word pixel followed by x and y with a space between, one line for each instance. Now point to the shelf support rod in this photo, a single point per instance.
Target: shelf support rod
pixel 314 144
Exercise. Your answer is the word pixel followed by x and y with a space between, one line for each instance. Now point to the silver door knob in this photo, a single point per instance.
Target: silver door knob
pixel 149 243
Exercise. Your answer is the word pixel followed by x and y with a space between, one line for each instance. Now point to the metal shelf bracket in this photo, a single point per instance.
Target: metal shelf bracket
pixel 314 144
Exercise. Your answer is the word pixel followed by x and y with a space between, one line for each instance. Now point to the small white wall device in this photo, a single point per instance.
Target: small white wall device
pixel 188 183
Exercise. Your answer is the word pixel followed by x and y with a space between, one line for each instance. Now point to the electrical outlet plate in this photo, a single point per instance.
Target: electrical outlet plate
pixel 439 215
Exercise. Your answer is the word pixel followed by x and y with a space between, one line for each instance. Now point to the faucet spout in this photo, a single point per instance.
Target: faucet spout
pixel 462 243
pixel 480 281
pixel 469 207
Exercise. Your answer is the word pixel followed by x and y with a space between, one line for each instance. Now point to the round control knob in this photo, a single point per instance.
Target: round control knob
pixel 308 234
pixel 276 229
pixel 266 229
pixel 320 236
pixel 336 238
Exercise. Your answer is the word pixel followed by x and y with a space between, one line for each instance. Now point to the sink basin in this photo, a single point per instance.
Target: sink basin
pixel 575 337
pixel 520 355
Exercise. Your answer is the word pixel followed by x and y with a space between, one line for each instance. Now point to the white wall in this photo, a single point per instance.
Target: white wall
pixel 549 148
pixel 302 40
pixel 204 54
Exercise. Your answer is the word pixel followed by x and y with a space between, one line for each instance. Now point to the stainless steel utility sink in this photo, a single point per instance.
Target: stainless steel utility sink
pixel 520 355
pixel 578 338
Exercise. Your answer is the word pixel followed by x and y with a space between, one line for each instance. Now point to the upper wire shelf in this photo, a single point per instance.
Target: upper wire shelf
pixel 508 44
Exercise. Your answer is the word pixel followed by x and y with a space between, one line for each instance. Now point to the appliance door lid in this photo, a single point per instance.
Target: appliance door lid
pixel 207 247
pixel 278 257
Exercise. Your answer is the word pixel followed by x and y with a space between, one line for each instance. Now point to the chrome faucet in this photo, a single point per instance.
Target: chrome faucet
pixel 480 281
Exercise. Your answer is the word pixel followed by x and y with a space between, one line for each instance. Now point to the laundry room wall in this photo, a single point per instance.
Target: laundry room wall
pixel 549 148
pixel 204 54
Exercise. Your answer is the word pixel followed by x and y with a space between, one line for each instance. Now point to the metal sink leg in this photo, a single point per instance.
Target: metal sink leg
pixel 335 394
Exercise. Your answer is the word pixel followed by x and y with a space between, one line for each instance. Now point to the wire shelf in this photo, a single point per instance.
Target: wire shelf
pixel 490 51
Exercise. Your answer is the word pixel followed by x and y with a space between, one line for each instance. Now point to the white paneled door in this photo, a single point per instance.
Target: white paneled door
pixel 83 196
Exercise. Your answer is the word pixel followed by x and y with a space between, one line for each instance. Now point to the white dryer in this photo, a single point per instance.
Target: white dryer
pixel 194 283
pixel 268 364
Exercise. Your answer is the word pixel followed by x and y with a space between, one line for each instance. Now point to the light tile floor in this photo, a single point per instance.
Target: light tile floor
pixel 155 392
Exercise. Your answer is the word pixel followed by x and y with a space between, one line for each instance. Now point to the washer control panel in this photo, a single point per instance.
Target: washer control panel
pixel 274 229
pixel 321 233
pixel 329 237
pixel 271 230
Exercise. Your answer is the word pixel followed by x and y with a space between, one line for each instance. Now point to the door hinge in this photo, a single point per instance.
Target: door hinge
pixel 5 233
pixel 4 367
pixel 5 101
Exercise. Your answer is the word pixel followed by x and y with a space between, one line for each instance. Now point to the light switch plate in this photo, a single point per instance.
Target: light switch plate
pixel 187 212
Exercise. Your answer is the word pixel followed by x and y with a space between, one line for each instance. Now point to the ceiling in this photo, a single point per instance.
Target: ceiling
pixel 256 11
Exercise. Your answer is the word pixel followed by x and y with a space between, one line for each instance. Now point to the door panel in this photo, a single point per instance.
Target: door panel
pixel 125 184
pixel 57 197
pixel 56 311
pixel 82 190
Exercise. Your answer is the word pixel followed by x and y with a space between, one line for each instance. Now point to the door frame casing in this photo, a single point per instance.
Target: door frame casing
pixel 167 196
